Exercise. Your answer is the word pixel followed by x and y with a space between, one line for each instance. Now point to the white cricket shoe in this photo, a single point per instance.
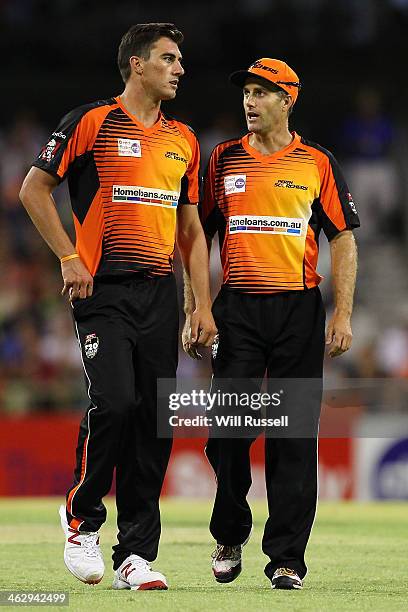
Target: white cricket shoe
pixel 82 554
pixel 135 573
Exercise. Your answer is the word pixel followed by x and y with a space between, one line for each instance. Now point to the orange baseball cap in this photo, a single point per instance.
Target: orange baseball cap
pixel 272 70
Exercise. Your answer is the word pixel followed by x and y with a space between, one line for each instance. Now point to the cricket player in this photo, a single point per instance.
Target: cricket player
pixel 268 195
pixel 133 178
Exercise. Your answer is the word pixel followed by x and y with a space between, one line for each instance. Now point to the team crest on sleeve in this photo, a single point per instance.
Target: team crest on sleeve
pixel 235 183
pixel 50 149
pixel 351 202
pixel 127 147
pixel 91 345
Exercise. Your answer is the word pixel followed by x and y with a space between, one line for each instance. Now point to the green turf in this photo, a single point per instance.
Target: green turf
pixel 357 557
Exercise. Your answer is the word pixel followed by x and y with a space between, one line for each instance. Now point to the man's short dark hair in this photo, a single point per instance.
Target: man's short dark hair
pixel 139 40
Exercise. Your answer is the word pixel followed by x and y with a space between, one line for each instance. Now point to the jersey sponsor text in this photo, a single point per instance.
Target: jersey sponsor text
pixel 289 185
pixel 127 147
pixel 254 224
pixel 145 195
pixel 235 183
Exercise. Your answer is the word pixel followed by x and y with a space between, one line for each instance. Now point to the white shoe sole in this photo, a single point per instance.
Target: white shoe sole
pixel 153 585
pixel 92 579
pixel 299 588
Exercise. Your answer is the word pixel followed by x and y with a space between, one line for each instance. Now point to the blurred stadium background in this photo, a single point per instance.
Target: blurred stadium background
pixel 349 55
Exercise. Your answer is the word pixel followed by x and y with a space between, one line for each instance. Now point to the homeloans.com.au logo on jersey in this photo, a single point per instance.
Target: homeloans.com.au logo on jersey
pixel 145 195
pixel 276 225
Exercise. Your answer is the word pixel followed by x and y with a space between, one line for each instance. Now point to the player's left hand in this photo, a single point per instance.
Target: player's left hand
pixel 200 329
pixel 203 328
pixel 338 334
pixel 186 340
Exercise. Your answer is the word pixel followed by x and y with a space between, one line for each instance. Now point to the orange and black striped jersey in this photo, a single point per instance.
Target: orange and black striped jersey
pixel 125 183
pixel 269 210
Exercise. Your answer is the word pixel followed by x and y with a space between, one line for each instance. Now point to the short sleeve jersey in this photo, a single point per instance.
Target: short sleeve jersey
pixel 125 183
pixel 269 210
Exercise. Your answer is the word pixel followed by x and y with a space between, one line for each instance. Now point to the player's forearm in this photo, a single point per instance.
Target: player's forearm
pixel 343 252
pixel 196 272
pixel 40 206
pixel 189 301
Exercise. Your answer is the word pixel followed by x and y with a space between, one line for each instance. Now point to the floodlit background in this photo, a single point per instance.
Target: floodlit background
pixel 349 56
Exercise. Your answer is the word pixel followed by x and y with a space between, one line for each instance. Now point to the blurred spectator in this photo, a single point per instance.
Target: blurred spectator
pixel 223 127
pixel 361 17
pixel 392 351
pixel 366 143
pixel 18 147
pixel 401 5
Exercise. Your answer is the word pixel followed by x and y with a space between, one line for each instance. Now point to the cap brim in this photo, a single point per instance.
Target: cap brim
pixel 239 77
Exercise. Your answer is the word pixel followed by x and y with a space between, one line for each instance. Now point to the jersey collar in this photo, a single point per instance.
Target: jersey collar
pixel 267 158
pixel 140 125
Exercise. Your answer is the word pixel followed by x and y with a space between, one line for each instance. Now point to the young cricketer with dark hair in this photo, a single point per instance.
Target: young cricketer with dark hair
pixel 133 178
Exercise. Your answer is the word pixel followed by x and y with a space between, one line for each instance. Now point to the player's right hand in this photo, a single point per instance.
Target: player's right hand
pixel 78 283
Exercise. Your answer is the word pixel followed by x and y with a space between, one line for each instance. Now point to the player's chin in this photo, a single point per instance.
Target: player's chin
pixel 254 127
pixel 169 94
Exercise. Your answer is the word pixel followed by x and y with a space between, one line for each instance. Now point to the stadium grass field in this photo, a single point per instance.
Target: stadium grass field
pixel 357 560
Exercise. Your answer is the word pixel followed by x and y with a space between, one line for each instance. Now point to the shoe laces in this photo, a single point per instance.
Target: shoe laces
pixel 90 544
pixel 139 562
pixel 221 553
pixel 286 571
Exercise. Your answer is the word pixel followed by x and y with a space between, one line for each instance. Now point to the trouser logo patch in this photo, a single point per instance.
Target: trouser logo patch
pixel 91 345
pixel 214 347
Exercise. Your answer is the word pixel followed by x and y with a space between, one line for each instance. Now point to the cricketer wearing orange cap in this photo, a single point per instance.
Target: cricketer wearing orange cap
pixel 269 194
pixel 272 70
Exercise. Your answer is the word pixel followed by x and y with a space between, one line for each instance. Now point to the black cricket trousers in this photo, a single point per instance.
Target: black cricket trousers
pixel 128 334
pixel 284 335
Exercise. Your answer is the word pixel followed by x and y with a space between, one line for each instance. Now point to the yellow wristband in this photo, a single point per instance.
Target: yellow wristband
pixel 68 257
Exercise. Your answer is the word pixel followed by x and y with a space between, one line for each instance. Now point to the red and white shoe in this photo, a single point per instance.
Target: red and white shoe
pixel 135 573
pixel 82 553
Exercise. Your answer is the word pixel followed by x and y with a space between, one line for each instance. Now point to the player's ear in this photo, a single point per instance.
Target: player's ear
pixel 136 64
pixel 287 103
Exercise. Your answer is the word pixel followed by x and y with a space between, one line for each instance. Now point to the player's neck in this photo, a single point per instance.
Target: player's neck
pixel 270 142
pixel 139 104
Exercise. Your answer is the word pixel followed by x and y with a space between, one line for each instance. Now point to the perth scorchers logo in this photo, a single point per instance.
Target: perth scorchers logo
pixel 48 152
pixel 175 156
pixel 262 66
pixel 289 184
pixel 351 202
pixel 50 149
pixel 91 345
